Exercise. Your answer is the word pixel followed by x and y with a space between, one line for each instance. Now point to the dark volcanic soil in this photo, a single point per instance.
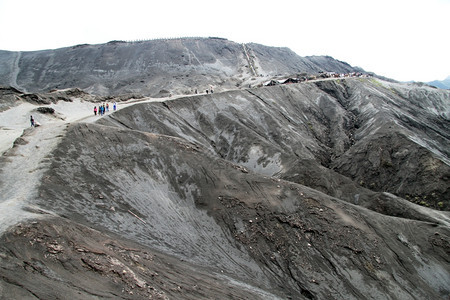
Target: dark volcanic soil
pixel 264 231
pixel 60 259
pixel 178 66
pixel 343 137
pixel 255 194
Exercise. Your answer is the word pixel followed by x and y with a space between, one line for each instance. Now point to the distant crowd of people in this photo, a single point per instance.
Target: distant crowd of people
pixel 104 108
pixel 208 91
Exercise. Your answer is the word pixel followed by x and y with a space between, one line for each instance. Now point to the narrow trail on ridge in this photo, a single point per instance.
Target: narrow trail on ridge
pixel 23 165
pixel 15 73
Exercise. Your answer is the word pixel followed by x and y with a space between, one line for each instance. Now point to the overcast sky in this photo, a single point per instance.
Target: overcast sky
pixel 401 39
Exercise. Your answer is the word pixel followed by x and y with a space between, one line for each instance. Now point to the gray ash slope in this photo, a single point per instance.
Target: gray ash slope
pixel 296 191
pixel 301 191
pixel 173 66
pixel 383 136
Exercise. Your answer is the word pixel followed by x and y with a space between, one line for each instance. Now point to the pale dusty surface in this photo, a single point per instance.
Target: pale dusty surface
pixel 24 165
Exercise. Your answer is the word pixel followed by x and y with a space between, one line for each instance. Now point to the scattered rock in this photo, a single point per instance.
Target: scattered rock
pixel 46 110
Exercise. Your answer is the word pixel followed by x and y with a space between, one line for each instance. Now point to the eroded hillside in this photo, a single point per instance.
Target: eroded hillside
pixel 381 137
pixel 158 67
pixel 288 192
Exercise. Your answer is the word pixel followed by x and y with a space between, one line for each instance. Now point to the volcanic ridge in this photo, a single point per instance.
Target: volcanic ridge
pixel 228 171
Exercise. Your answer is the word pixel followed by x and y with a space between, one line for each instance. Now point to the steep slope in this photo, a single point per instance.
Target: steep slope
pixel 60 259
pixel 401 140
pixel 247 193
pixel 172 195
pixel 379 135
pixel 178 66
pixel 283 61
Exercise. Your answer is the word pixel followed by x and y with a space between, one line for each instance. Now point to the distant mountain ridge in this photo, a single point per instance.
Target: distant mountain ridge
pixel 150 67
pixel 442 84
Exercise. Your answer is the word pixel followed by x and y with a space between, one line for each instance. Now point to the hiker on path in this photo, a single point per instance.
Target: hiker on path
pixel 32 121
pixel 115 106
pixel 107 106
pixel 95 110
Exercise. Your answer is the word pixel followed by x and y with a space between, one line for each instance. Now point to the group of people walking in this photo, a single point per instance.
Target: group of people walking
pixel 102 109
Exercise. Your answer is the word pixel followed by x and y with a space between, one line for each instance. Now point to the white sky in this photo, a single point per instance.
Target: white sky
pixel 400 39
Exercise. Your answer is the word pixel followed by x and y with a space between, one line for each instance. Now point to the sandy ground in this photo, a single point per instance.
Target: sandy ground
pixel 23 165
pixel 14 121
